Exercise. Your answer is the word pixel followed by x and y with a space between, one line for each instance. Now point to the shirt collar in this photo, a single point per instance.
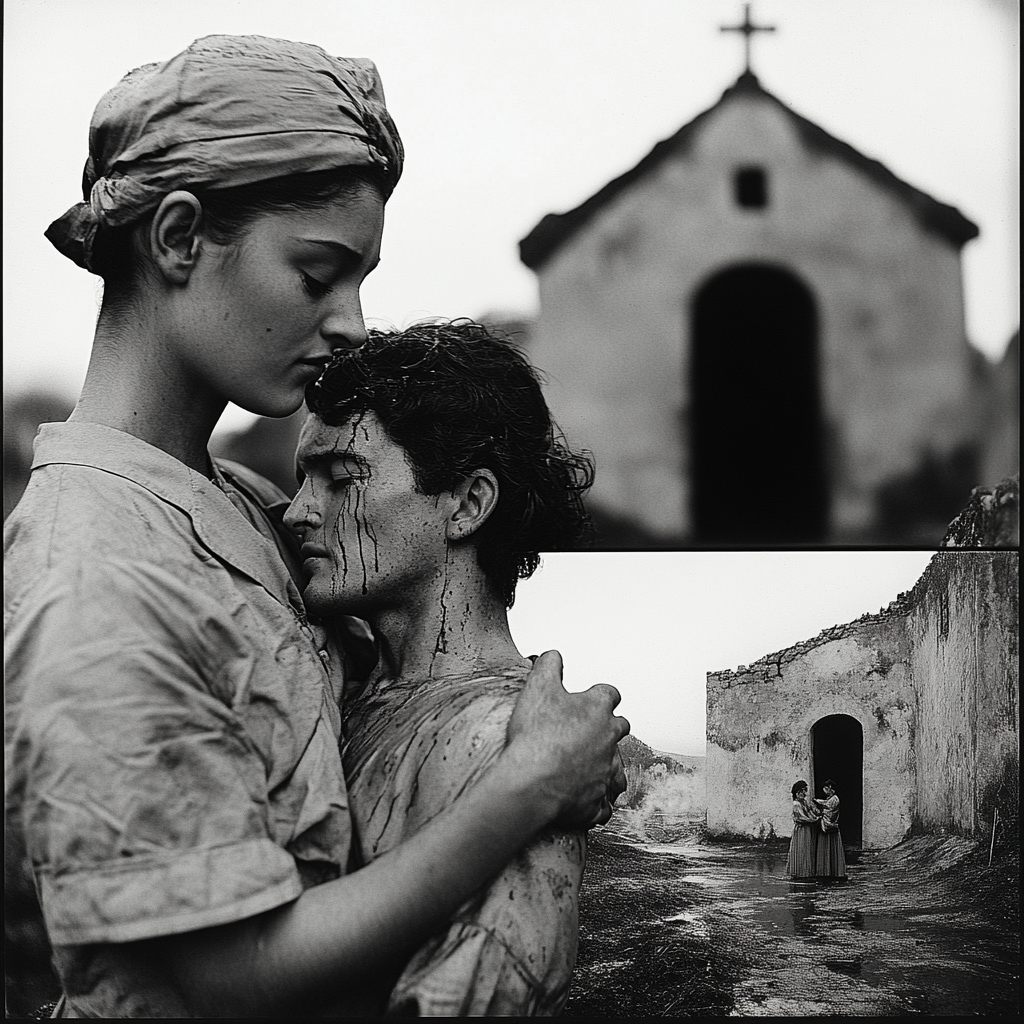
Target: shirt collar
pixel 217 523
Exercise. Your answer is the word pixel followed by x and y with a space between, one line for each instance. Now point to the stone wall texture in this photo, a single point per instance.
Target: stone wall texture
pixel 933 682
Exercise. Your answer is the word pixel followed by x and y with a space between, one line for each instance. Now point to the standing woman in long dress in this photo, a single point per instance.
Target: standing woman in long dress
pixel 830 861
pixel 176 810
pixel 803 845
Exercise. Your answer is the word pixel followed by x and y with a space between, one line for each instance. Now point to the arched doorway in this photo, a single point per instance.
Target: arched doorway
pixel 837 752
pixel 756 431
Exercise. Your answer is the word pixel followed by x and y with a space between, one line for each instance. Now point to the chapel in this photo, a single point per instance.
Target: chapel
pixel 759 332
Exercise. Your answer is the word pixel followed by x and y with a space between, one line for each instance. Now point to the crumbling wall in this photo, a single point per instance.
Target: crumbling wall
pixel 990 520
pixel 963 622
pixel 933 681
pixel 760 719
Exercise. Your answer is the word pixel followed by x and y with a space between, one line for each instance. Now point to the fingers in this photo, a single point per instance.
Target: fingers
pixel 622 724
pixel 603 814
pixel 605 691
pixel 617 786
pixel 547 669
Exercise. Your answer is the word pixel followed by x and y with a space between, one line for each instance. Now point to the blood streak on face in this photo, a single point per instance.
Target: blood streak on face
pixel 370 540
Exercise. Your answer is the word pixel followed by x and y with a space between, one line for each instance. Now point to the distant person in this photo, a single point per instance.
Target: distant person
pixel 803 845
pixel 829 861
pixel 176 808
pixel 432 480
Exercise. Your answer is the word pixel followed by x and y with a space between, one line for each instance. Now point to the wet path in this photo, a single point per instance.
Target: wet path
pixel 717 929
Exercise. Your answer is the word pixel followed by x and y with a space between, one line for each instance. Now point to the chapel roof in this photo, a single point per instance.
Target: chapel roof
pixel 555 228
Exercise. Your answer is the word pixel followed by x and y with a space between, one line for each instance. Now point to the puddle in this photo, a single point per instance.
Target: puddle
pixel 893 940
pixel 715 883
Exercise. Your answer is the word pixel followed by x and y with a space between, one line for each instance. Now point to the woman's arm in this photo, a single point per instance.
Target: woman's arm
pixel 558 764
pixel 801 816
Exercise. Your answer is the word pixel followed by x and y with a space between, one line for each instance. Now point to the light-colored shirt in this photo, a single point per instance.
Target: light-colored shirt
pixel 171 757
pixel 411 748
pixel 830 813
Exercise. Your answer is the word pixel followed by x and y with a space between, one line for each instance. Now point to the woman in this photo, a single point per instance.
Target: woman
pixel 173 777
pixel 432 480
pixel 803 844
pixel 829 860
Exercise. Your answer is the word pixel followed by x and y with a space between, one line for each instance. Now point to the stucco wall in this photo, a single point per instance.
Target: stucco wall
pixel 963 630
pixel 934 683
pixel 614 326
pixel 760 719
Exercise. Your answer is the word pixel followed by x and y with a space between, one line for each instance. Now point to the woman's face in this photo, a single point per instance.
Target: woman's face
pixel 801 794
pixel 265 313
pixel 370 540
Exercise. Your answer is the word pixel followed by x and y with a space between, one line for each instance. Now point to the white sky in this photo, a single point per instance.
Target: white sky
pixel 511 109
pixel 655 623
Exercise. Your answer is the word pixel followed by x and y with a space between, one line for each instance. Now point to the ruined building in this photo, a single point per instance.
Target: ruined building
pixel 913 712
pixel 759 331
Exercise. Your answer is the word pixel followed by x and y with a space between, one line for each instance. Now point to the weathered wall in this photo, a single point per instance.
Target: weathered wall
pixel 614 328
pixel 760 720
pixel 963 630
pixel 933 681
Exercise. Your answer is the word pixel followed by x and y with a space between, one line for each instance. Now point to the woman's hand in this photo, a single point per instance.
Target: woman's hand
pixel 566 745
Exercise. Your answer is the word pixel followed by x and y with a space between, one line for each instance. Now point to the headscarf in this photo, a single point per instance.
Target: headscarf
pixel 227 111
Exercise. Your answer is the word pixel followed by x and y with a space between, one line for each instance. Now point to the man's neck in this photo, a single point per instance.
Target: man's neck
pixel 460 629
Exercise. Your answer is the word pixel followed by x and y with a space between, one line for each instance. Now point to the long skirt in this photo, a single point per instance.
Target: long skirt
pixel 802 850
pixel 829 861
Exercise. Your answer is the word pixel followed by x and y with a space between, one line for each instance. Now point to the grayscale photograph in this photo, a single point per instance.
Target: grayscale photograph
pixel 511 508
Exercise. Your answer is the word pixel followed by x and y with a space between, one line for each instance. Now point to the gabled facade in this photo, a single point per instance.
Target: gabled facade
pixel 760 333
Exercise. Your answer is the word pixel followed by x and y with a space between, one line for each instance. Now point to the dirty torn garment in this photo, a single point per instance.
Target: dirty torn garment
pixel 410 750
pixel 171 733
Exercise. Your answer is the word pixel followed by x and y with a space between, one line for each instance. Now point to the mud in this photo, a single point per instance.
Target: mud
pixel 672 924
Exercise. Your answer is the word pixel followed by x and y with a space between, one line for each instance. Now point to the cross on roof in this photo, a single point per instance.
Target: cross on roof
pixel 748 28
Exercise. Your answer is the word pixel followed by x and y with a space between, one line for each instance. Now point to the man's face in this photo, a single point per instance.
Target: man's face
pixel 370 540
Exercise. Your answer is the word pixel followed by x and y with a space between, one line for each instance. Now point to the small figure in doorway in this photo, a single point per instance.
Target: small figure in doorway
pixel 829 859
pixel 803 846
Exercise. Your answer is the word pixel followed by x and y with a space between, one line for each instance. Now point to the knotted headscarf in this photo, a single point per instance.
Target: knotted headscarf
pixel 228 111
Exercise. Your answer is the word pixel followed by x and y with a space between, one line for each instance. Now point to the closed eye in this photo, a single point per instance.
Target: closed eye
pixel 314 287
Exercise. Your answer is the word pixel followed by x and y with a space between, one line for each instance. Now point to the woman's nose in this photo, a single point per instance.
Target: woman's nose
pixel 343 327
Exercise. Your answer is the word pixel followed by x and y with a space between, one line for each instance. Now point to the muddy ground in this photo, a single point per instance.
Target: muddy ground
pixel 672 924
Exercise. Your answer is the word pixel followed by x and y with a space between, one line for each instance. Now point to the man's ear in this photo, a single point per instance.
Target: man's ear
pixel 174 236
pixel 476 498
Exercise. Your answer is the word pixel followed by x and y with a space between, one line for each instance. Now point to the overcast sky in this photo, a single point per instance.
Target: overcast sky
pixel 655 623
pixel 511 109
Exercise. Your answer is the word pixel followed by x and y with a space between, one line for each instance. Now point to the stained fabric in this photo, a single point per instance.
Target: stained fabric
pixel 171 747
pixel 227 111
pixel 411 748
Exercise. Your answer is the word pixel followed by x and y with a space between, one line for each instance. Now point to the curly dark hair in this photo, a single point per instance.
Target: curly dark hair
pixel 457 396
pixel 797 786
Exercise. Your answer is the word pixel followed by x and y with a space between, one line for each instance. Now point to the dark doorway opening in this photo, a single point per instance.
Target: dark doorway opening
pixel 837 745
pixel 756 430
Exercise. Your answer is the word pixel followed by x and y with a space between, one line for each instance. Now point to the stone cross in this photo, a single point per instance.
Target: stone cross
pixel 748 28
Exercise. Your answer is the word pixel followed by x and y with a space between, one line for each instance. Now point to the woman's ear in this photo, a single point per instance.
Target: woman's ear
pixel 476 498
pixel 174 236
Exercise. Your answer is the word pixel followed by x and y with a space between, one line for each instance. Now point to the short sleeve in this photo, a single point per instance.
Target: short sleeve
pixel 511 949
pixel 141 793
